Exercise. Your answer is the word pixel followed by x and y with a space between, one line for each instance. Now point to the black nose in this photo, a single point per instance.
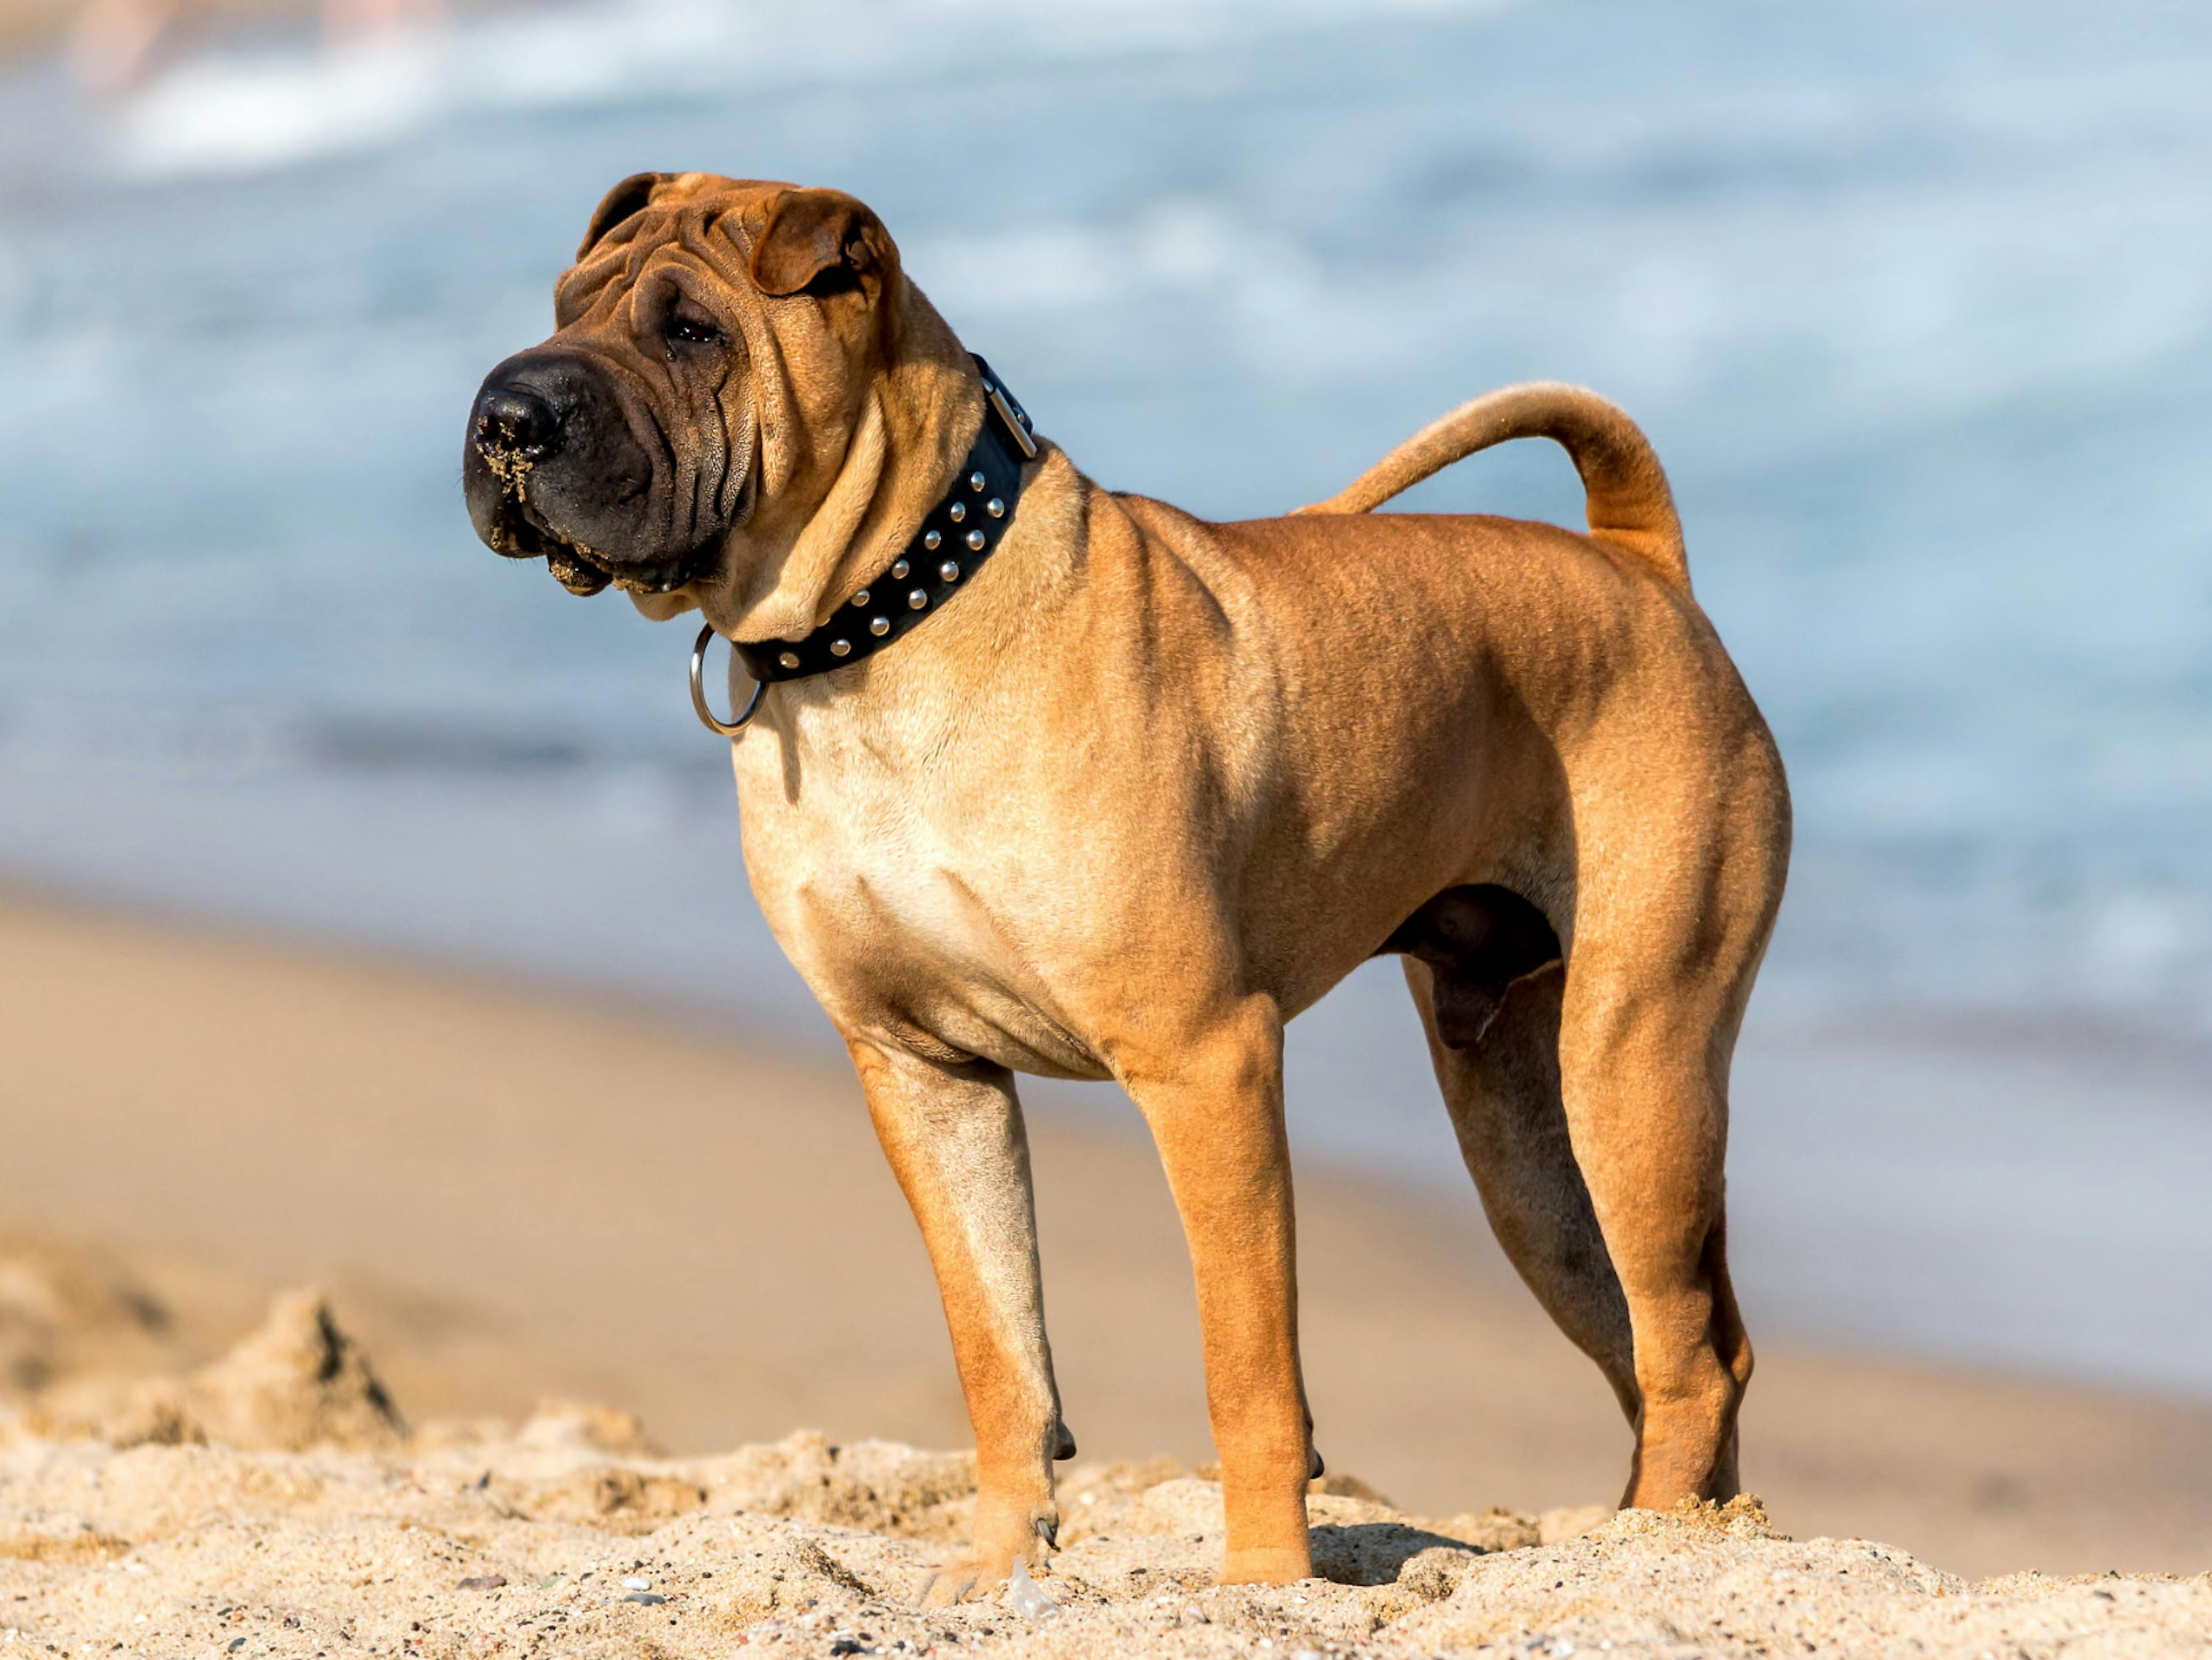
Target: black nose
pixel 514 422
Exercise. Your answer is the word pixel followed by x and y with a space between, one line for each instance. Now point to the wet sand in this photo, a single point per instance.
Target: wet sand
pixel 513 1194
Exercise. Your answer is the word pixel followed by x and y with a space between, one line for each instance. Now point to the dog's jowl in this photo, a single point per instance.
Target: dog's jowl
pixel 1048 779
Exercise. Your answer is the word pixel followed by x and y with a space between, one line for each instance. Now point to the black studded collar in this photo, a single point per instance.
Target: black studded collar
pixel 962 531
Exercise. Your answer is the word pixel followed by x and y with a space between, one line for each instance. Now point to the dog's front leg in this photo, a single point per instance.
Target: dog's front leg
pixel 1214 1102
pixel 954 1136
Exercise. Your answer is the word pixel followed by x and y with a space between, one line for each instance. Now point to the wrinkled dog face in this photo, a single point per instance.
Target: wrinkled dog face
pixel 710 340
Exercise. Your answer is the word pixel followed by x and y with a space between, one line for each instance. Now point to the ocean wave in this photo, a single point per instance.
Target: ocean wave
pixel 248 110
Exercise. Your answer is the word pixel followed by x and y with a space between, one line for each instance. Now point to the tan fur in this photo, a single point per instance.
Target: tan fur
pixel 1149 787
pixel 1628 502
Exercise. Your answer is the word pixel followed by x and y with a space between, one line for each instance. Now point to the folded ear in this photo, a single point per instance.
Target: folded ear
pixel 629 197
pixel 810 233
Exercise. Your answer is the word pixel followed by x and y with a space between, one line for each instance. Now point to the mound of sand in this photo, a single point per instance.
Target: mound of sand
pixel 89 1351
pixel 273 1503
pixel 70 1310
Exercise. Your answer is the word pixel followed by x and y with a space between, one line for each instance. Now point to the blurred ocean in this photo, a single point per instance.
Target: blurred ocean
pixel 1915 299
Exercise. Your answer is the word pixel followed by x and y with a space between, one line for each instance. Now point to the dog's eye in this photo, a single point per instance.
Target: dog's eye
pixel 690 326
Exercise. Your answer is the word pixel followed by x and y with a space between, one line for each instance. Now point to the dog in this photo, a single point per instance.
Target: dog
pixel 1042 778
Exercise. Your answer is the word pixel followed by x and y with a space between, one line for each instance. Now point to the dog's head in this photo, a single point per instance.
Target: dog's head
pixel 733 362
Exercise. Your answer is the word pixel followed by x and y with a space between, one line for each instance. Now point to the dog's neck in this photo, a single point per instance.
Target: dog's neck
pixel 905 711
pixel 853 478
pixel 873 609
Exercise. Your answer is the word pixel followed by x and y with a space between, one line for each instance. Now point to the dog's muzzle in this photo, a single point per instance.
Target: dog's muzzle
pixel 552 470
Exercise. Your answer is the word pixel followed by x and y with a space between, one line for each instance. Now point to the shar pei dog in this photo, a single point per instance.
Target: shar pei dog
pixel 1035 776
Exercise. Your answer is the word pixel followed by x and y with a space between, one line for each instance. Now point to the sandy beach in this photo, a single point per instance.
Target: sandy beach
pixel 516 1193
pixel 315 1525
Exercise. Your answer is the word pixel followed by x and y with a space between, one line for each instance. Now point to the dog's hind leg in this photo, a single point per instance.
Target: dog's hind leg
pixel 1503 1090
pixel 1593 1116
pixel 1643 1081
pixel 1668 937
pixel 955 1138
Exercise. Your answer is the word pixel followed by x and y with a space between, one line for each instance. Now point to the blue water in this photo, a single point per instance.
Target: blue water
pixel 1915 299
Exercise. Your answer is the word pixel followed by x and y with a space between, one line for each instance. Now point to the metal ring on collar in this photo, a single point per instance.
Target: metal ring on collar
pixel 721 728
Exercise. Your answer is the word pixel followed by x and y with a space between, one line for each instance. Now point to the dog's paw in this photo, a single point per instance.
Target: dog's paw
pixel 972 1578
pixel 1270 1566
pixel 984 1571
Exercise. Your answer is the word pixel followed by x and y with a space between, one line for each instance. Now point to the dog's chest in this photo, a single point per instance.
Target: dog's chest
pixel 899 910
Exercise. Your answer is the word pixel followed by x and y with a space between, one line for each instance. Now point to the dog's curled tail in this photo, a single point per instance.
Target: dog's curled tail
pixel 1629 502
